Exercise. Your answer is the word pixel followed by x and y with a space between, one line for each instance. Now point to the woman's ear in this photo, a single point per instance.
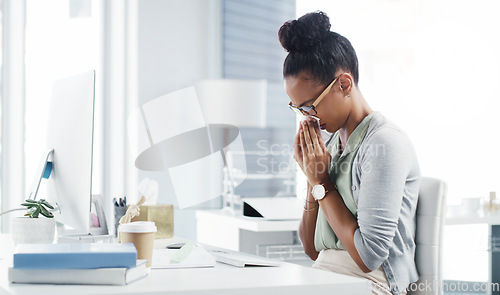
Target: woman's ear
pixel 346 83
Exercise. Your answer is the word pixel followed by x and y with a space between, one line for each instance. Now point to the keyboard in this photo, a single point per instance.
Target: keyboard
pixel 240 259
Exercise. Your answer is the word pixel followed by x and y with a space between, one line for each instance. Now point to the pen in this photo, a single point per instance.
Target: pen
pixel 115 202
pixel 125 201
pixel 121 203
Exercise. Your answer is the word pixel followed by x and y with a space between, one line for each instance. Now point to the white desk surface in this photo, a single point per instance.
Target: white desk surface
pixel 251 223
pixel 222 279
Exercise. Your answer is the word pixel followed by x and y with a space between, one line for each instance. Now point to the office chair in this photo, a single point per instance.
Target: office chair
pixel 431 211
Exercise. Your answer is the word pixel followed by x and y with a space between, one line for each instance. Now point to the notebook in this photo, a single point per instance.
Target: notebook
pixel 78 256
pixel 96 276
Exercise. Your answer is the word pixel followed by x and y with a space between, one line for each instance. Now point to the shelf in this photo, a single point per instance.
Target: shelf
pixel 473 219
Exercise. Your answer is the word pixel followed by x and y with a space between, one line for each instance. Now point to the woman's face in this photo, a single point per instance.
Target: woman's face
pixel 332 111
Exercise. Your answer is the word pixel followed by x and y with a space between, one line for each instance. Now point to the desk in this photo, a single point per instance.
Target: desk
pixel 241 233
pixel 222 279
pixel 493 222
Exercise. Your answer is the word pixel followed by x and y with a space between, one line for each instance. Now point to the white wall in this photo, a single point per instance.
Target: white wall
pixel 178 44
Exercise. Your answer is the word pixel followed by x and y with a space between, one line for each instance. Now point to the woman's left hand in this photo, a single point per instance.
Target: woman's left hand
pixel 315 156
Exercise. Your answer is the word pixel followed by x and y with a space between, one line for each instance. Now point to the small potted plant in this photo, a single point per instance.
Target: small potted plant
pixel 31 228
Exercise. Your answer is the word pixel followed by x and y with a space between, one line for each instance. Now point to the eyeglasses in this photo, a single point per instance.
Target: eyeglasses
pixel 310 110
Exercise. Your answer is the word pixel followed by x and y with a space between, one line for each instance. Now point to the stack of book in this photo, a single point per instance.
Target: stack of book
pixel 84 264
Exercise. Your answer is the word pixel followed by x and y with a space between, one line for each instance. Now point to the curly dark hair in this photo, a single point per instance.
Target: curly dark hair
pixel 314 49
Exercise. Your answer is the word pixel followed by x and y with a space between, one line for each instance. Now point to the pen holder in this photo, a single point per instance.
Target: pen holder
pixel 163 217
pixel 119 212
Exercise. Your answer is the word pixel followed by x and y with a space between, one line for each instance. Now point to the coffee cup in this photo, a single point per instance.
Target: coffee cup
pixel 141 234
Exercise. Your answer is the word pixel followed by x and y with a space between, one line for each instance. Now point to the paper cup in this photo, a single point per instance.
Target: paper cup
pixel 141 234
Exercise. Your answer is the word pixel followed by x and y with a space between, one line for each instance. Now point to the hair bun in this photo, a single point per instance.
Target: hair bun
pixel 304 33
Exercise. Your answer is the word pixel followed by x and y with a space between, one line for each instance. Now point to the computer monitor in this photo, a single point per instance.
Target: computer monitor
pixel 68 161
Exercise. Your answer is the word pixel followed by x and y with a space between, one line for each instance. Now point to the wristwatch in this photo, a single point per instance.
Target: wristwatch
pixel 318 192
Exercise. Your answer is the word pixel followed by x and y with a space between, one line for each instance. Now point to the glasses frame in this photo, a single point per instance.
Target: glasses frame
pixel 306 110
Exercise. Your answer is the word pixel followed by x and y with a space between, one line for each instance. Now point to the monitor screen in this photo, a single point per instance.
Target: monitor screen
pixel 70 134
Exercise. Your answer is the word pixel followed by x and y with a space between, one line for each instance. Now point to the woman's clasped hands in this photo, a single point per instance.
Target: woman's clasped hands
pixel 311 153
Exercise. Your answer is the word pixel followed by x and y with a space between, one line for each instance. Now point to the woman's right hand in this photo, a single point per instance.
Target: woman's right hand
pixel 298 154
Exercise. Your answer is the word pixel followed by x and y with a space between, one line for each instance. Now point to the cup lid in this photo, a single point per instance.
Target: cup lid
pixel 138 227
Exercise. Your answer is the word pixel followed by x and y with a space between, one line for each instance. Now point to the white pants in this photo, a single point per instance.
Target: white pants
pixel 340 261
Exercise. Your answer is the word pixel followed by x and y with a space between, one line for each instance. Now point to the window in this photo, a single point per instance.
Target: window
pixel 12 87
pixel 45 41
pixel 63 38
pixel 251 50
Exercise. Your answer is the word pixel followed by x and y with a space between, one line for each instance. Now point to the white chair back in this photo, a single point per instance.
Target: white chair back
pixel 431 211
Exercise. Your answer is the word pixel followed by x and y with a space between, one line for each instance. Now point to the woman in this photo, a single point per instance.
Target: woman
pixel 359 212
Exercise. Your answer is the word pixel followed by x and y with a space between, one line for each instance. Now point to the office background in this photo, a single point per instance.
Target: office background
pixel 430 66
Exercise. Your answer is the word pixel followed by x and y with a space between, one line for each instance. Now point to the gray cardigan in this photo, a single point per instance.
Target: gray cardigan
pixel 385 183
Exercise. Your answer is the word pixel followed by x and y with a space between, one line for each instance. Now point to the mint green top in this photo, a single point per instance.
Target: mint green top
pixel 341 175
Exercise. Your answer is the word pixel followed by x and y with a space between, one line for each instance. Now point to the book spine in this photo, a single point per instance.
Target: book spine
pixel 74 260
pixel 104 276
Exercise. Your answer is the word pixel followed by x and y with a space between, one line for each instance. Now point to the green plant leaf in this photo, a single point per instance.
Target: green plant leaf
pixel 29 205
pixel 31 201
pixel 27 214
pixel 46 213
pixel 47 204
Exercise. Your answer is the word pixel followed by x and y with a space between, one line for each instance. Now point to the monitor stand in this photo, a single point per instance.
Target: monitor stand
pixel 79 237
pixel 98 232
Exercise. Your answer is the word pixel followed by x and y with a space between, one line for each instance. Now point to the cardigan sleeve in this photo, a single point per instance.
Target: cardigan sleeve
pixel 385 163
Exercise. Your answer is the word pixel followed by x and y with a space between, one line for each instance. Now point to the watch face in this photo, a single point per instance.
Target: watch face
pixel 318 192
